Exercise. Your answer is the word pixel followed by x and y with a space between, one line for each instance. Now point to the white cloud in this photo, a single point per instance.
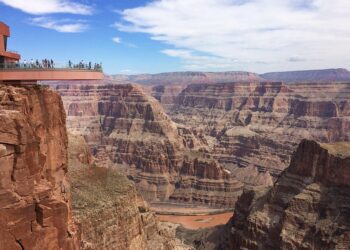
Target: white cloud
pixel 40 7
pixel 256 35
pixel 62 25
pixel 193 61
pixel 116 39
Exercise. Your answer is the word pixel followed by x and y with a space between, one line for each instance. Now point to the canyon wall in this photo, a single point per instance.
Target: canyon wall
pixel 256 126
pixel 107 208
pixel 307 208
pixel 246 131
pixel 128 129
pixel 34 192
pixel 166 87
pixel 189 77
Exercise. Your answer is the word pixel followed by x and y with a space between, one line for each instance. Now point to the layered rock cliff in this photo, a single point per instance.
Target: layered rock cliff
pixel 248 129
pixel 128 129
pixel 203 181
pixel 258 125
pixel 34 192
pixel 307 208
pixel 107 208
pixel 189 77
pixel 165 87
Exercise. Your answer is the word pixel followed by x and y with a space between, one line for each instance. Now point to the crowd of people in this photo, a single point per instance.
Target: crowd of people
pixel 83 65
pixel 45 63
pixel 50 64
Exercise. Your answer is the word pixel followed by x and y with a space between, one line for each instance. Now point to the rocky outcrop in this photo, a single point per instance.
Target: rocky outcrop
pixel 259 125
pixel 110 213
pixel 203 181
pixel 34 192
pixel 307 208
pixel 126 128
pixel 165 94
pixel 122 126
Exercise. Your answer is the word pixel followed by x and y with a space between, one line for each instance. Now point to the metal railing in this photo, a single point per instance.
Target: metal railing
pixel 49 66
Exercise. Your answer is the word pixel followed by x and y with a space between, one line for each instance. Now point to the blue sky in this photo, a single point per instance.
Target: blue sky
pixel 140 36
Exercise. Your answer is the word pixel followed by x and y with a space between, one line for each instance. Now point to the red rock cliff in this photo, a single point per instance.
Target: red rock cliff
pixel 34 193
pixel 110 213
pixel 261 124
pixel 127 128
pixel 307 208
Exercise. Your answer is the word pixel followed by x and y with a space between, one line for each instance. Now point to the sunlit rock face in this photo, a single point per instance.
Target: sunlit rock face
pixel 128 129
pixel 307 208
pixel 34 191
pixel 258 125
pixel 107 208
pixel 249 129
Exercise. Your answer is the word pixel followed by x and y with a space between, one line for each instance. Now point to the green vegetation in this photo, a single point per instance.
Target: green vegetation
pixel 94 187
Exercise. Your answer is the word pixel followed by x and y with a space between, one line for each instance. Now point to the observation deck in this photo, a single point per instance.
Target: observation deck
pixel 19 72
pixel 11 70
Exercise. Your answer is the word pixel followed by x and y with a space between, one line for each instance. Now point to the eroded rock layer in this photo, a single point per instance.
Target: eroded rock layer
pixel 189 77
pixel 126 128
pixel 110 213
pixel 165 87
pixel 259 125
pixel 204 181
pixel 34 191
pixel 307 208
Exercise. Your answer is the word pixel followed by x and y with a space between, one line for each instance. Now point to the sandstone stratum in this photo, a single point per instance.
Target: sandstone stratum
pixel 107 208
pixel 255 127
pixel 247 131
pixel 128 129
pixel 35 202
pixel 307 208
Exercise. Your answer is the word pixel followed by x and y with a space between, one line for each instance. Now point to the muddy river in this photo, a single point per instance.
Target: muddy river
pixel 197 221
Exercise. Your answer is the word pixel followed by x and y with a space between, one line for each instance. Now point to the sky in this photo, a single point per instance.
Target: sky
pixel 152 36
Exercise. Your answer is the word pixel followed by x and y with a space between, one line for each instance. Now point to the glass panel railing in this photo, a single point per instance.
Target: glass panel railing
pixel 12 51
pixel 50 66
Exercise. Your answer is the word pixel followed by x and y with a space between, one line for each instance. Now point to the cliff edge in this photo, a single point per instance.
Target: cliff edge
pixel 34 191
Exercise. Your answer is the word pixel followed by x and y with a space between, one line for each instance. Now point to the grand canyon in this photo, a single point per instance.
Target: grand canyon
pixel 135 157
pixel 196 153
